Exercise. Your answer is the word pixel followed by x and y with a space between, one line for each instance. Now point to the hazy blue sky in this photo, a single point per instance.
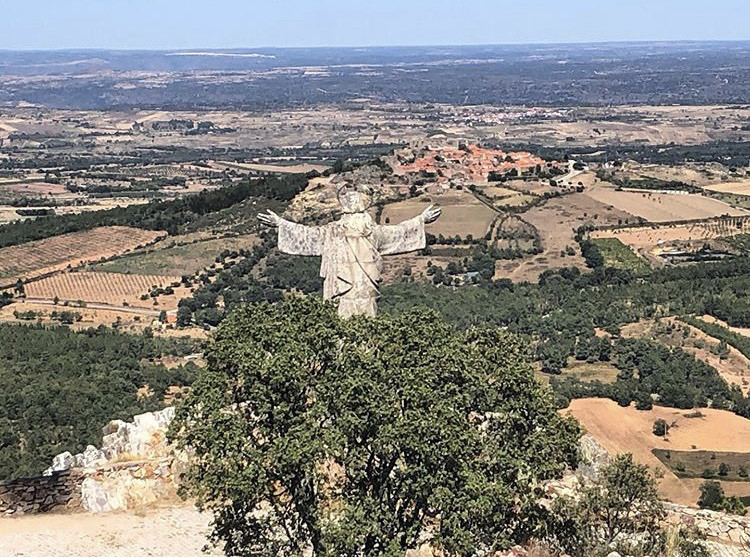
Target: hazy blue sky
pixel 169 24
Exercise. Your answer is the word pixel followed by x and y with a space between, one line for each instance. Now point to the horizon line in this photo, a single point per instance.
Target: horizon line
pixel 390 46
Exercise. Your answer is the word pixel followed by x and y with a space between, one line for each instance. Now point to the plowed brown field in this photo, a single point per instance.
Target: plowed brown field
pixel 627 430
pixel 56 253
pixel 100 287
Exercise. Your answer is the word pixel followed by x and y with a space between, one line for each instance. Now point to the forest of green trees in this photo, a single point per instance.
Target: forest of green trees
pixel 58 388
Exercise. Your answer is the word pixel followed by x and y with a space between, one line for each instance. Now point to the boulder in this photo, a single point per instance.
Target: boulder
pixel 144 437
pixel 61 462
pixel 93 497
pixel 594 457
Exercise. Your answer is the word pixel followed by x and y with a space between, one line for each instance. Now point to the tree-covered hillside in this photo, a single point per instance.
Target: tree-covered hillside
pixel 58 388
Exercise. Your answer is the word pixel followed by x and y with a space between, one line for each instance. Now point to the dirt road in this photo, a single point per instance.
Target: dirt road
pixel 165 531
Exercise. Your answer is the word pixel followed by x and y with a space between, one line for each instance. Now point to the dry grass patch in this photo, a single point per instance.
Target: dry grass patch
pixel 735 187
pixel 661 207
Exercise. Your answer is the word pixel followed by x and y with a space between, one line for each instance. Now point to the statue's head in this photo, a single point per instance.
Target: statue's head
pixel 354 199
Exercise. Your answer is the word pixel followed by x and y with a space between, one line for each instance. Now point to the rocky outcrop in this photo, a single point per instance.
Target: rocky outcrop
pixel 143 438
pixel 128 485
pixel 134 466
pixel 724 527
pixel 593 457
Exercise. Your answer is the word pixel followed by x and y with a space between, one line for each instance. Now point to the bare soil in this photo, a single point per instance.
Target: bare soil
pixel 627 430
pixel 98 287
pixel 556 221
pixel 71 249
pixel 160 531
pixel 739 187
pixel 663 207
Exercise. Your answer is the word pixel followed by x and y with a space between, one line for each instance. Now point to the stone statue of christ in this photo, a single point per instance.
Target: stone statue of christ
pixel 352 248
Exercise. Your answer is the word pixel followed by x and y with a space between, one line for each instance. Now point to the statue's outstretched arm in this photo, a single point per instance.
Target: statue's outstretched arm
pixel 294 238
pixel 406 236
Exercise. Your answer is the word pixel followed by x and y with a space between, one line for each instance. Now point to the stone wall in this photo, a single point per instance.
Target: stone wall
pixel 59 490
pixel 128 485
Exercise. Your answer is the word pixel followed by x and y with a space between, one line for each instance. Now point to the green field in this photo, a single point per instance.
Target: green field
pixel 618 255
pixel 599 371
pixel 179 260
pixel 736 199
pixel 701 464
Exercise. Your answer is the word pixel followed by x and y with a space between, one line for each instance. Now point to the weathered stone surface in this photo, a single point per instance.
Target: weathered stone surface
pixel 63 461
pixel 135 466
pixel 594 457
pixel 93 497
pixel 144 437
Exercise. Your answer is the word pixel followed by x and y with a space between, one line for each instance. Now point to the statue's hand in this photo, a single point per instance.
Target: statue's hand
pixel 431 214
pixel 270 218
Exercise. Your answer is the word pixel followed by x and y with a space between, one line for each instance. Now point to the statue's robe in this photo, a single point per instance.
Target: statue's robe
pixel 351 249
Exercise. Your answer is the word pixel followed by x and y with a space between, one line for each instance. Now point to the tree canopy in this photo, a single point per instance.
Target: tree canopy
pixel 620 511
pixel 368 436
pixel 58 388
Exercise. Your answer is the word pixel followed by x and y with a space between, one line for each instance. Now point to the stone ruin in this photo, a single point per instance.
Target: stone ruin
pixel 135 466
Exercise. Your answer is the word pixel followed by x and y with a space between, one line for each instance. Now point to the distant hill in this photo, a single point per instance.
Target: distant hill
pixel 580 74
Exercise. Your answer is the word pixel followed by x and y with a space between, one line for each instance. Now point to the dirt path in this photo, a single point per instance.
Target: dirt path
pixel 165 531
pixel 90 305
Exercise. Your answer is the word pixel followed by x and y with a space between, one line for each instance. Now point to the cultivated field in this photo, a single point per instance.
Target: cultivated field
pixel 462 213
pixel 695 464
pixel 648 236
pixel 268 168
pixel 647 241
pixel 127 319
pixel 662 207
pixel 537 188
pixel 616 254
pixel 35 258
pixel 556 221
pixel 33 189
pixel 739 187
pixel 176 256
pixel 101 287
pixel 599 371
pixel 515 201
pixel 497 193
pixel 627 430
